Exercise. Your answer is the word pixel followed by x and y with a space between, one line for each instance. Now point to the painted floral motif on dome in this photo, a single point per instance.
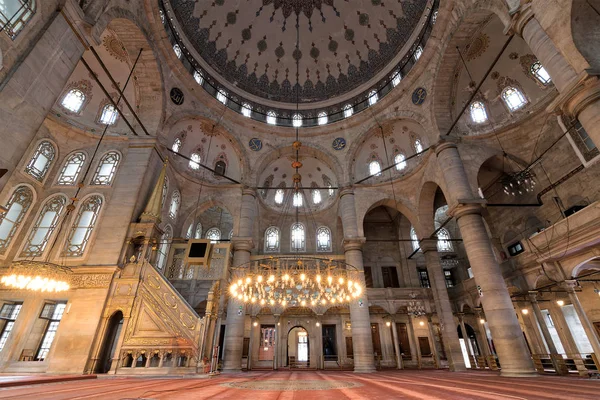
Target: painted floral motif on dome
pixel 478 46
pixel 115 48
pixel 343 45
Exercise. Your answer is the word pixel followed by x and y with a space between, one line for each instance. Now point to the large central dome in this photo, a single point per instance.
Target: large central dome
pixel 252 44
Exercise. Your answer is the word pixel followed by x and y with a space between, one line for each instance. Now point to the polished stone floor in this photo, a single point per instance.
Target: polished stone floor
pixel 318 385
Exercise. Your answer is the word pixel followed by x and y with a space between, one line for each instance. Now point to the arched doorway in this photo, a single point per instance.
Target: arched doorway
pixel 111 336
pixel 298 348
pixel 469 340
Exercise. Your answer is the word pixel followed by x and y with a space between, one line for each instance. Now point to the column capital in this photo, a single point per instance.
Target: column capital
pixel 346 190
pixel 354 243
pixel 462 209
pixel 444 144
pixel 570 285
pixel 248 191
pixel 533 295
pixel 580 93
pixel 428 245
pixel 519 19
pixel 242 243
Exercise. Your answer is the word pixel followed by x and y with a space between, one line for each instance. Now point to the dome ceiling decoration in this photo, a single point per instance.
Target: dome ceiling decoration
pixel 343 44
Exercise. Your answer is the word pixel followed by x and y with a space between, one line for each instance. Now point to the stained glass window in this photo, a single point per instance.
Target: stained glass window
pixel 348 110
pixel 322 118
pixel 198 231
pixel 513 98
pixel 44 226
pixel 418 146
pixel 176 145
pixel 272 240
pixel 414 238
pixel 194 161
pixel 297 201
pixel 400 161
pixel 271 118
pixel 298 237
pixel 198 77
pixel 478 113
pixel 443 240
pixel 375 168
pixel 109 115
pixel 17 207
pixel 213 234
pixel 418 52
pixel 175 202
pixel 246 110
pixel 15 14
pixel 373 97
pixel 540 73
pixel 71 169
pixel 83 226
pixel 105 172
pixel 40 163
pixel 73 100
pixel 396 78
pixel 177 50
pixel 323 239
pixel 316 196
pixel 297 120
pixel 279 195
pixel 163 248
pixel 222 96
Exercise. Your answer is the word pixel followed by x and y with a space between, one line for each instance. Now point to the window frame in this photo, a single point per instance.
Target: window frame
pixel 518 92
pixel 101 114
pixel 30 168
pixel 89 229
pixel 17 223
pixel 535 68
pixel 83 157
pixel 96 179
pixel 277 247
pixel 302 248
pixel 207 234
pixel 13 29
pixel 483 110
pixel 328 247
pixel 51 327
pixel 175 202
pixel 10 322
pixel 400 165
pixel 24 252
pixel 82 104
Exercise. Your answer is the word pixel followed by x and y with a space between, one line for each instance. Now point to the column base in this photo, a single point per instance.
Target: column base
pixel 364 369
pixel 515 373
pixel 461 368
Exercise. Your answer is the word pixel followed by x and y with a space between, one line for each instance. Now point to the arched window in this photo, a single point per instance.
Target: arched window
pixel 190 230
pixel 220 168
pixel 177 50
pixel 540 73
pixel 230 234
pixel 198 77
pixel 71 169
pixel 107 168
pixel 177 143
pixel 443 240
pixel 198 231
pixel 222 96
pixel 396 78
pixel 163 248
pixel 272 240
pixel 478 113
pixel 246 110
pixel 513 98
pixel 213 234
pixel 298 237
pixel 83 226
pixel 297 120
pixel 373 97
pixel 165 190
pixel 375 168
pixel 194 161
pixel 175 202
pixel 271 117
pixel 40 163
pixel 73 100
pixel 279 195
pixel 322 118
pixel 418 145
pixel 434 17
pixel 17 207
pixel 418 52
pixel 414 238
pixel 44 226
pixel 323 239
pixel 316 196
pixel 15 14
pixel 400 161
pixel 109 115
pixel 297 201
pixel 348 110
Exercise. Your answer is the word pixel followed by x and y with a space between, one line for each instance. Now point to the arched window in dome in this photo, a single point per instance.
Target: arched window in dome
pixel 177 143
pixel 107 167
pixel 279 196
pixel 297 120
pixel 443 241
pixel 220 168
pixel 540 73
pixel 375 168
pixel 222 96
pixel 15 14
pixel 70 171
pixel 478 112
pixel 213 234
pixel 400 161
pixel 82 228
pixel 316 196
pixel 73 100
pixel 272 240
pixel 246 110
pixel 194 162
pixel 163 248
pixel 396 78
pixel 418 145
pixel 414 238
pixel 198 77
pixel 513 98
pixel 271 117
pixel 322 118
pixel 177 50
pixel 44 227
pixel 373 97
pixel 198 231
pixel 39 164
pixel 418 52
pixel 108 116
pixel 17 206
pixel 230 234
pixel 298 237
pixel 434 17
pixel 323 239
pixel 348 110
pixel 175 202
pixel 327 182
pixel 297 200
pixel 165 190
pixel 190 231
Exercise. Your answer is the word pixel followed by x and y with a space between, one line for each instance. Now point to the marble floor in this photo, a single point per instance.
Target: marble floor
pixel 318 385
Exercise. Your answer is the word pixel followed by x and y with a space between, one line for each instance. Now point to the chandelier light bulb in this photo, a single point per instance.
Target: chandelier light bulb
pixel 329 279
pixel 525 311
pixel 272 278
pixel 341 281
pixel 482 321
pixel 560 302
pixel 302 277
pixel 388 323
pixel 303 303
pixel 262 302
pixel 319 278
pixel 248 280
pixel 286 277
pixel 259 278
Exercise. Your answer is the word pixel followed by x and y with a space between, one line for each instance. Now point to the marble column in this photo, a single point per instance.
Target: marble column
pixel 485 345
pixel 579 93
pixel 320 360
pixel 236 313
pixel 396 345
pixel 362 343
pixel 562 328
pixel 442 306
pixel 435 350
pixel 583 318
pixel 415 341
pixel 277 337
pixel 463 329
pixel 253 329
pixel 495 299
pixel 542 323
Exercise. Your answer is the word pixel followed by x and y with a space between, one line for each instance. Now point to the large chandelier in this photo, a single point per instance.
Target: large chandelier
pixel 36 276
pixel 295 281
pixel 519 183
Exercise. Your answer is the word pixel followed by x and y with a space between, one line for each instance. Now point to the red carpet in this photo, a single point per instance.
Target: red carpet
pixel 431 385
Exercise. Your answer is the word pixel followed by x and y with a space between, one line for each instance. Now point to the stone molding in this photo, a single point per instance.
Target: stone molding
pixel 520 18
pixel 582 92
pixel 428 245
pixel 463 209
pixel 242 243
pixel 346 190
pixel 354 243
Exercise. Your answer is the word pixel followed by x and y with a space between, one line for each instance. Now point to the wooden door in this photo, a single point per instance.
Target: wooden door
pixel 349 348
pixel 425 347
pixel 376 339
pixel 266 351
pixel 403 341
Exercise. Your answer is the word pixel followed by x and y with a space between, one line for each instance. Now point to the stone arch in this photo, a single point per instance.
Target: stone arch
pixel 589 265
pixel 191 214
pixel 585 29
pixel 399 206
pixel 427 207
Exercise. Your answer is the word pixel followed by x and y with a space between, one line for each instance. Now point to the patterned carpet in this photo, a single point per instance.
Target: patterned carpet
pixel 318 385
